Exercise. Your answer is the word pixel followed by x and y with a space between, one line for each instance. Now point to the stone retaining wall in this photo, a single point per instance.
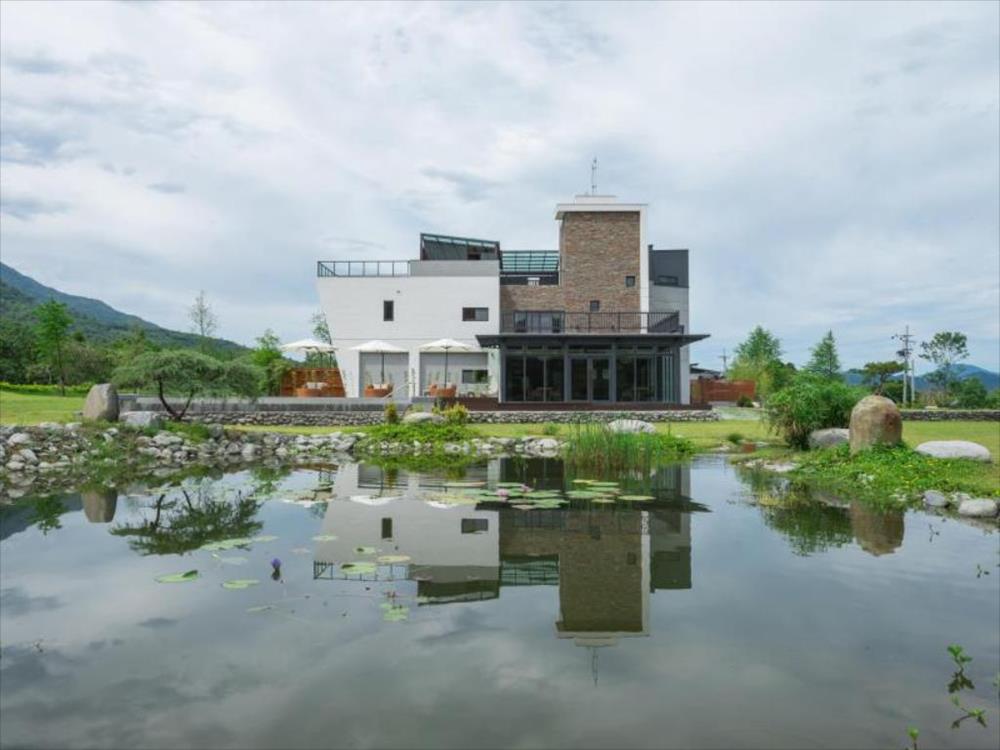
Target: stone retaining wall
pixel 951 415
pixel 355 418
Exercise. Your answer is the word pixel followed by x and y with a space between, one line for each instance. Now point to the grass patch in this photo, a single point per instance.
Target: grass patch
pixel 596 448
pixel 28 408
pixel 427 432
pixel 897 473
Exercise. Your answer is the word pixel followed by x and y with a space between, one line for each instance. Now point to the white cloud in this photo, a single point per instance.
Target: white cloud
pixel 829 165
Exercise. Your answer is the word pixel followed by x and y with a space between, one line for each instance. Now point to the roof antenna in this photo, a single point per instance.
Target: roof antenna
pixel 593 176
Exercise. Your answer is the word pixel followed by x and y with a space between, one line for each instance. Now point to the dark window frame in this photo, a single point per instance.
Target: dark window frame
pixel 472 314
pixel 595 305
pixel 629 281
pixel 388 310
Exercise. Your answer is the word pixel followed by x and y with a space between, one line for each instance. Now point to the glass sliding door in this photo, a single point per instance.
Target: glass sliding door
pixel 600 379
pixel 578 380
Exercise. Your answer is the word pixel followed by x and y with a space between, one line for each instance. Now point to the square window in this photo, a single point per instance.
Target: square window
pixel 630 281
pixel 388 309
pixel 387 528
pixel 477 314
pixel 595 305
pixel 475 377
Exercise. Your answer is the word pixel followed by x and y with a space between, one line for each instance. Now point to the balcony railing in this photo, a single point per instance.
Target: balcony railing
pixel 325 268
pixel 561 322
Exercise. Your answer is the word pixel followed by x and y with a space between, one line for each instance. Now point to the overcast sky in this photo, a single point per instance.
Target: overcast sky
pixel 828 165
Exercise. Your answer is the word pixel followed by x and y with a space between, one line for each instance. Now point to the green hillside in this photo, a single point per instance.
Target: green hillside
pixel 98 321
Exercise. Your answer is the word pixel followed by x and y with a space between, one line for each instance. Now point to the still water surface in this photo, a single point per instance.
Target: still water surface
pixel 713 614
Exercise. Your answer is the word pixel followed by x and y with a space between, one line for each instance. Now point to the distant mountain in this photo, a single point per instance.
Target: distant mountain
pixel 991 380
pixel 20 294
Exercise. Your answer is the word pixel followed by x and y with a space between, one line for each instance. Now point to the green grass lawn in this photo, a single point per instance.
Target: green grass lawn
pixel 18 408
pixel 22 408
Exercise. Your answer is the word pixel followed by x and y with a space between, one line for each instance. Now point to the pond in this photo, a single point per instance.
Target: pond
pixel 351 606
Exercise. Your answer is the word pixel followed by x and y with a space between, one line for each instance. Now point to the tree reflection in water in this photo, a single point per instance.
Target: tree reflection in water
pixel 182 523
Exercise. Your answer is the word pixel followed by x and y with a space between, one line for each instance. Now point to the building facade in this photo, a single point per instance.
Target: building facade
pixel 603 319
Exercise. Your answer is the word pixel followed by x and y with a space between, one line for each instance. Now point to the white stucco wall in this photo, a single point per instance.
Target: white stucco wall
pixel 427 307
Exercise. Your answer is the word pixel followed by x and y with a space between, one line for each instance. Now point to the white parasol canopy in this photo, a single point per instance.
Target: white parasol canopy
pixel 307 346
pixel 446 345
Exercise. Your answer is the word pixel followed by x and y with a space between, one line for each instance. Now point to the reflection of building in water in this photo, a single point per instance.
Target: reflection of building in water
pixel 877 532
pixel 605 560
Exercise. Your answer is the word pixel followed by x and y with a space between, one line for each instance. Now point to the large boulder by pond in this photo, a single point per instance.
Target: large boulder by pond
pixel 630 425
pixel 875 420
pixel 422 417
pixel 828 438
pixel 955 449
pixel 141 419
pixel 101 403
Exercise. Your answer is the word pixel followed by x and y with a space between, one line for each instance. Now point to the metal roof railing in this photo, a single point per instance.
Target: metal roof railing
pixel 327 268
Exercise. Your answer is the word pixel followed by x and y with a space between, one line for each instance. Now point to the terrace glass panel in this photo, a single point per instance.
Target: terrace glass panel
pixel 534 379
pixel 625 378
pixel 514 390
pixel 554 379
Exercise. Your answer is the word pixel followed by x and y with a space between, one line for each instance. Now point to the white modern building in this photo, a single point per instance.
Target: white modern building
pixel 603 319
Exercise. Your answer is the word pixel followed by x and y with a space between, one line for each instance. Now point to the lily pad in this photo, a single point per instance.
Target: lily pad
pixel 240 583
pixel 521 506
pixel 395 612
pixel 324 538
pixel 637 498
pixel 365 550
pixel 263 538
pixel 604 500
pixel 392 559
pixel 225 544
pixel 261 608
pixel 190 575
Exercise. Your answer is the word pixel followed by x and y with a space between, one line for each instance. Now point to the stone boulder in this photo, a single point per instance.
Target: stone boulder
pixel 423 417
pixel 630 425
pixel 141 419
pixel 99 504
pixel 875 420
pixel 955 449
pixel 101 403
pixel 935 499
pixel 978 507
pixel 828 438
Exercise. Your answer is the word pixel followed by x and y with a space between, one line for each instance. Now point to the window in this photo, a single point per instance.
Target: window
pixel 475 377
pixel 662 280
pixel 595 305
pixel 387 528
pixel 534 281
pixel 388 311
pixel 630 281
pixel 475 525
pixel 475 313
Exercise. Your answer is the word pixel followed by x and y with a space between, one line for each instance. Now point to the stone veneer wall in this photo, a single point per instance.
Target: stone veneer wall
pixel 950 415
pixel 344 418
pixel 597 249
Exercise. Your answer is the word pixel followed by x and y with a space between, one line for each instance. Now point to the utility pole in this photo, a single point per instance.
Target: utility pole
pixel 906 353
pixel 724 360
pixel 593 177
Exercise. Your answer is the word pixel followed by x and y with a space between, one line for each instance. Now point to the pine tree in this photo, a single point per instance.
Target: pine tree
pixel 824 360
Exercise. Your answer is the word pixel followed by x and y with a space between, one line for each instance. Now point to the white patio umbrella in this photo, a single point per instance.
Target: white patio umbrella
pixel 307 345
pixel 445 345
pixel 377 346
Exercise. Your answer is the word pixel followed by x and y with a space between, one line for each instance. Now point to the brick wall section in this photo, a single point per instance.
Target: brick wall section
pixel 598 249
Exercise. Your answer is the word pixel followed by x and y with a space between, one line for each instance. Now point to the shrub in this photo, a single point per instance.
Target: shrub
pixel 595 447
pixel 744 401
pixel 44 390
pixel 735 438
pixel 810 403
pixel 550 430
pixel 391 413
pixel 456 414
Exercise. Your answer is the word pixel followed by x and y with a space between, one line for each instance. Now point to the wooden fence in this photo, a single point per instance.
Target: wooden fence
pixel 704 390
pixel 297 382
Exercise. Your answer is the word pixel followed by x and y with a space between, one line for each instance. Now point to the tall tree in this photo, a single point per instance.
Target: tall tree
pixel 272 363
pixel 321 330
pixel 204 322
pixel 52 333
pixel 944 350
pixel 824 360
pixel 759 359
pixel 876 374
